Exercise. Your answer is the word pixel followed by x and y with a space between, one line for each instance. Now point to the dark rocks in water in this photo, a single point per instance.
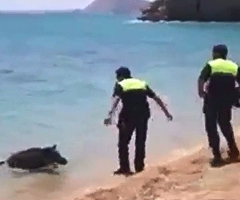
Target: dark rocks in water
pixel 192 10
pixel 156 12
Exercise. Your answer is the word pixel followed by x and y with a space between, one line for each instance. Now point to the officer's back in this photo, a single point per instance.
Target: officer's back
pixel 222 78
pixel 221 75
pixel 134 93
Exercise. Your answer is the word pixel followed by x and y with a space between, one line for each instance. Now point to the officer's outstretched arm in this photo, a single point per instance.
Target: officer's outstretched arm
pixel 108 119
pixel 159 101
pixel 115 101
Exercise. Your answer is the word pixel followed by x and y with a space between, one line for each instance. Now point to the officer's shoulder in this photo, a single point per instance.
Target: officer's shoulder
pixel 233 62
pixel 208 65
pixel 213 62
pixel 143 82
pixel 117 85
pixel 139 79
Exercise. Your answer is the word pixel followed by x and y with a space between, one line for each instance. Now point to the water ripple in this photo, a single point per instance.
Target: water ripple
pixel 26 78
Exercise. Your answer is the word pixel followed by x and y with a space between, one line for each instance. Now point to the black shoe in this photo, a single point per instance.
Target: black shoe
pixel 123 172
pixel 233 155
pixel 217 162
pixel 139 166
pixel 139 170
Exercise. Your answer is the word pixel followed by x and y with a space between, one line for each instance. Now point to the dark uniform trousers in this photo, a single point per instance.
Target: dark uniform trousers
pixel 126 128
pixel 219 115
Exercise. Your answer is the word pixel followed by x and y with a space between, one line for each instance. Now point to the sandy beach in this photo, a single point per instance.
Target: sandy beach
pixel 187 177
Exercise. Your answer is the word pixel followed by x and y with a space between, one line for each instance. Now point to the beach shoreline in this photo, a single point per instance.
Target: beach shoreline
pixel 185 175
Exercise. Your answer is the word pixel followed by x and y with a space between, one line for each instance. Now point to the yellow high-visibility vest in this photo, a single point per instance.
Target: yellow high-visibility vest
pixel 223 66
pixel 132 84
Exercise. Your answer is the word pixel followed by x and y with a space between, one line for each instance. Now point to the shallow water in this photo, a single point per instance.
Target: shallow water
pixel 57 76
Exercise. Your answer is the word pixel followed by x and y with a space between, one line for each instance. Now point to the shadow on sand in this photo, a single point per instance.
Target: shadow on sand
pixel 19 174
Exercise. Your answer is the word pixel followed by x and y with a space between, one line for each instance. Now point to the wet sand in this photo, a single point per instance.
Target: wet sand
pixel 187 177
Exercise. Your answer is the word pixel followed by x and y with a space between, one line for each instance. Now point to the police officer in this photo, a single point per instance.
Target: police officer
pixel 134 115
pixel 219 98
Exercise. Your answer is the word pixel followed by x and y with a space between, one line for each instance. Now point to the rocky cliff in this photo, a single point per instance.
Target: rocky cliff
pixel 116 6
pixel 192 10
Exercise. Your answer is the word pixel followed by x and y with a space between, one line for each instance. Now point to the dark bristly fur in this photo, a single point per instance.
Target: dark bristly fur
pixel 35 158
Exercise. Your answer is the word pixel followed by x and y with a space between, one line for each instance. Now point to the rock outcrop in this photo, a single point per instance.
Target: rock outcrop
pixel 192 10
pixel 116 6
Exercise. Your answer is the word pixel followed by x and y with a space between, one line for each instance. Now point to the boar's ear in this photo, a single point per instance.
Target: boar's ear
pixel 54 147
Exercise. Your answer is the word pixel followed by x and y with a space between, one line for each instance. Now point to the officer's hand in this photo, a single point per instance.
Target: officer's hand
pixel 169 117
pixel 107 121
pixel 202 94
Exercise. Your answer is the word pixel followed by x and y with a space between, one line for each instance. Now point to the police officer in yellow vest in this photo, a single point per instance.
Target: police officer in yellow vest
pixel 134 115
pixel 219 98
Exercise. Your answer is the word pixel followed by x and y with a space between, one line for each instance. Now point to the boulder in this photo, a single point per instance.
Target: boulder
pixel 193 10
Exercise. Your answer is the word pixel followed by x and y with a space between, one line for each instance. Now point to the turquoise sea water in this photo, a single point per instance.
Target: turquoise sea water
pixel 56 80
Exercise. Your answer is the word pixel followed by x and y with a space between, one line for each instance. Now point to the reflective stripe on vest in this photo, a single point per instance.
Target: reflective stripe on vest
pixel 132 84
pixel 223 66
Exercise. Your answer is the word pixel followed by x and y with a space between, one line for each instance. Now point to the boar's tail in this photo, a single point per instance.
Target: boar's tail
pixel 2 163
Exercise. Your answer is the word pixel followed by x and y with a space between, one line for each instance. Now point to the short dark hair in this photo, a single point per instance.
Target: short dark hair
pixel 123 72
pixel 221 49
